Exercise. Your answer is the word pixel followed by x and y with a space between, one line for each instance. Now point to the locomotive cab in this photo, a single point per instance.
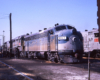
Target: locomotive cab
pixel 69 42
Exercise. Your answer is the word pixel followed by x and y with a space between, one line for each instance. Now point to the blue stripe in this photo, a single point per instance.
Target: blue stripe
pixel 61 41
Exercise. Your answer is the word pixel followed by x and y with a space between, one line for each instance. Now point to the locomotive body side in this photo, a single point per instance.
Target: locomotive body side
pixel 36 45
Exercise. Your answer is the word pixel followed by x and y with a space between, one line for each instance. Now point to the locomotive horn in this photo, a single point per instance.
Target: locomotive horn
pixel 45 28
pixel 56 24
pixel 40 30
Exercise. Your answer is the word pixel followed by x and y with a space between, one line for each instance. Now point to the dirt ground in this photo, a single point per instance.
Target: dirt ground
pixel 45 70
pixel 6 73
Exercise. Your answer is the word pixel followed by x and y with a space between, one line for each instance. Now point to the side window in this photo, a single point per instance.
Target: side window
pixel 51 32
pixel 89 33
pixel 96 34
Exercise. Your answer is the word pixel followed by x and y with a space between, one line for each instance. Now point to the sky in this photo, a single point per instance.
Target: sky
pixel 34 15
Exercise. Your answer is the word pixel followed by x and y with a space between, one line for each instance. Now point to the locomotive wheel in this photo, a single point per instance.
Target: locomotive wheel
pixel 56 59
pixel 21 54
pixel 34 55
pixel 48 56
pixel 97 55
pixel 60 60
pixel 45 56
pixel 28 55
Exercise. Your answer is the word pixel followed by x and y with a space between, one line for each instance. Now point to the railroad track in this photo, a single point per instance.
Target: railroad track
pixel 91 58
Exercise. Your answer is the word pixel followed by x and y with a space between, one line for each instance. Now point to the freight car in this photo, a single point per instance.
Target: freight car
pixel 60 43
pixel 91 43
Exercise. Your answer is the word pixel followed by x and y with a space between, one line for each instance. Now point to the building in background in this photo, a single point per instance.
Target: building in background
pixel 98 19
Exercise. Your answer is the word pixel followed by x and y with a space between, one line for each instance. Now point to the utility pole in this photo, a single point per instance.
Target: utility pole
pixel 0 43
pixel 89 66
pixel 3 37
pixel 88 61
pixel 10 35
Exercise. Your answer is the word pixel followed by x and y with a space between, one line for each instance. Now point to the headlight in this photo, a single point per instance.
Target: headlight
pixel 62 38
pixel 74 39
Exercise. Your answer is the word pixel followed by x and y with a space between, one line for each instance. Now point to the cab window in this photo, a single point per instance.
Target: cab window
pixel 69 27
pixel 60 28
pixel 51 32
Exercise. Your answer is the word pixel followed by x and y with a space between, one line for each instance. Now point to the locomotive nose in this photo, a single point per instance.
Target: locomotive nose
pixel 75 43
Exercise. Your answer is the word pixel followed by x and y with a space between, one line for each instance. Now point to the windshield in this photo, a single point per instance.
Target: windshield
pixel 60 28
pixel 69 27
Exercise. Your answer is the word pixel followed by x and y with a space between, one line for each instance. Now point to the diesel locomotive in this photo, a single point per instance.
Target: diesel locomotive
pixel 91 42
pixel 60 43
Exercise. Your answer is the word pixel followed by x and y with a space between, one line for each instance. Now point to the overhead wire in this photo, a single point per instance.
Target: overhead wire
pixel 5 16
